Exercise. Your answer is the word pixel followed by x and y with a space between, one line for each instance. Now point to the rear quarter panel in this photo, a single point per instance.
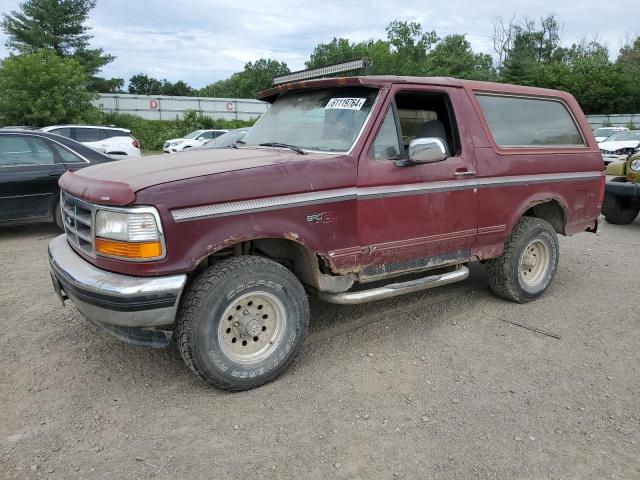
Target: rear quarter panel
pixel 501 207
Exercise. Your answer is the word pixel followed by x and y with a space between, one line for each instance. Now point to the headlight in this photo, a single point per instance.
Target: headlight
pixel 635 165
pixel 133 235
pixel 173 144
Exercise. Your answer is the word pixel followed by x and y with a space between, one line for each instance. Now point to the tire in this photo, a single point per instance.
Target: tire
pixel 528 264
pixel 615 209
pixel 242 322
pixel 57 216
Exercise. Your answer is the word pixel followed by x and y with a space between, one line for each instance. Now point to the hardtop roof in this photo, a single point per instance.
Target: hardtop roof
pixel 382 81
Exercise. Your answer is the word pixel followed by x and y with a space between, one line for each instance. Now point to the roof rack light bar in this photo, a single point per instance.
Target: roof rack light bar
pixel 362 64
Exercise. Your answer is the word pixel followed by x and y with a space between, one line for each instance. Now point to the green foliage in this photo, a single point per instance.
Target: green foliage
pixel 255 77
pixel 454 57
pixel 58 25
pixel 142 84
pixel 153 133
pixel 42 88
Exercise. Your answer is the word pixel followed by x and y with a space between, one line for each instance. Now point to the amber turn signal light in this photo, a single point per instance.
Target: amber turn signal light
pixel 141 250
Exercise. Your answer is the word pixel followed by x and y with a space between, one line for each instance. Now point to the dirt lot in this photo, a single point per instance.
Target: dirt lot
pixel 430 385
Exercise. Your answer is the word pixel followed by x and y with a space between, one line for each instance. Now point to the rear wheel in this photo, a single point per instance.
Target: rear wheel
pixel 616 210
pixel 528 264
pixel 242 322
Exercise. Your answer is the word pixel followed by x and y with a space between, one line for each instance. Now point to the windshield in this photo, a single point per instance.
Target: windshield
pixel 326 120
pixel 604 132
pixel 226 140
pixel 624 137
pixel 193 134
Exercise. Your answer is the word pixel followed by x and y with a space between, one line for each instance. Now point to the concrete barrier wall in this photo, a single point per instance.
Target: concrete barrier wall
pixel 168 108
pixel 615 120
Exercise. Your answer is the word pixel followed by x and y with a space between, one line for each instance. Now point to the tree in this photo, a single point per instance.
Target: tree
pixel 142 84
pixel 628 63
pixel 255 77
pixel 42 88
pixel 454 57
pixel 179 89
pixel 58 25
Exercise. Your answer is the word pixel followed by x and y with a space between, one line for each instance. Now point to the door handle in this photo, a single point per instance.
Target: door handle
pixel 465 173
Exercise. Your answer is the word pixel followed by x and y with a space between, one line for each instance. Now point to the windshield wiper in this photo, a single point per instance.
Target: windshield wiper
pixel 284 145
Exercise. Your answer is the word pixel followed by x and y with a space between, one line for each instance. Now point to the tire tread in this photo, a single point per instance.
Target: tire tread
pixel 188 317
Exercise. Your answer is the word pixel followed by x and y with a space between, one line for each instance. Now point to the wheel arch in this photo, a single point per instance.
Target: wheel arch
pixel 311 267
pixel 548 207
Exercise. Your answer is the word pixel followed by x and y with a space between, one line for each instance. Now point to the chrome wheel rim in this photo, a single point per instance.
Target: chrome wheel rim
pixel 534 263
pixel 251 327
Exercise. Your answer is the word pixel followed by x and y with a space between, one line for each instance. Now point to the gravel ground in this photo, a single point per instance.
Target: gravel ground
pixel 429 385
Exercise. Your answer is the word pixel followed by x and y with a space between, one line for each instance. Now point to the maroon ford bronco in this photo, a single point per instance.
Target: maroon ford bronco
pixel 341 183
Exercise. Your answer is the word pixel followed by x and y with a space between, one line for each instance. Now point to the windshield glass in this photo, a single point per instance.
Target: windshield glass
pixel 226 140
pixel 326 120
pixel 624 137
pixel 604 132
pixel 193 134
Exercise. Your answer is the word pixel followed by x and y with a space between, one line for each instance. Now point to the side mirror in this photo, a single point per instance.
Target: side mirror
pixel 427 150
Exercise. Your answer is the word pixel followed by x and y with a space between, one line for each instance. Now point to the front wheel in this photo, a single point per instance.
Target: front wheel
pixel 528 264
pixel 616 211
pixel 242 322
pixel 57 216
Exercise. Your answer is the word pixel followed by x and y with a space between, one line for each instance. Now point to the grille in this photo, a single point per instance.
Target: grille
pixel 78 223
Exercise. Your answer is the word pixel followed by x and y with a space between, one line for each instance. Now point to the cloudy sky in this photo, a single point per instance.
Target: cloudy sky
pixel 177 39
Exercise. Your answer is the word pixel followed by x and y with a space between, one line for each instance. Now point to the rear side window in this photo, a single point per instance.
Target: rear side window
pixel 66 155
pixel 87 134
pixel 65 132
pixel 106 133
pixel 529 122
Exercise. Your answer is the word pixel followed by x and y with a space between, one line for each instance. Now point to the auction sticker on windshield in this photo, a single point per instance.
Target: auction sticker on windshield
pixel 345 104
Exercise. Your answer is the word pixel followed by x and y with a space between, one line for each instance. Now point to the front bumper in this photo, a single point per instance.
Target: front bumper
pixel 121 304
pixel 629 190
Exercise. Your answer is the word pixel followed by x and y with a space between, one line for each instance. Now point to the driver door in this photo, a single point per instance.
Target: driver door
pixel 423 215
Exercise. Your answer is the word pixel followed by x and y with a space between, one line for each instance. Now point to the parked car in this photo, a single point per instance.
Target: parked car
pixel 620 145
pixel 603 133
pixel 31 162
pixel 622 194
pixel 341 183
pixel 106 139
pixel 226 140
pixel 193 139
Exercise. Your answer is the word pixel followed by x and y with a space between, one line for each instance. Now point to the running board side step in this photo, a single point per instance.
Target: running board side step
pixel 395 289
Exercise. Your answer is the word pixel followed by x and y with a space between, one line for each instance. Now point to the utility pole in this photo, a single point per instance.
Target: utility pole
pixel 214 72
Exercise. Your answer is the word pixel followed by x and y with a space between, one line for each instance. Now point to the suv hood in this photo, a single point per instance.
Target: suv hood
pixel 116 183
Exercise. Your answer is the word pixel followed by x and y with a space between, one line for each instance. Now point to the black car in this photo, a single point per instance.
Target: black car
pixel 31 162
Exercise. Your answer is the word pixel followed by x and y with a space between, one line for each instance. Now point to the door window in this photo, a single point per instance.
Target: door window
pixel 427 114
pixel 387 145
pixel 24 151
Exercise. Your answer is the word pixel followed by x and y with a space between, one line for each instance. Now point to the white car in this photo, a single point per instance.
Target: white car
pixel 194 139
pixel 620 145
pixel 603 133
pixel 110 140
